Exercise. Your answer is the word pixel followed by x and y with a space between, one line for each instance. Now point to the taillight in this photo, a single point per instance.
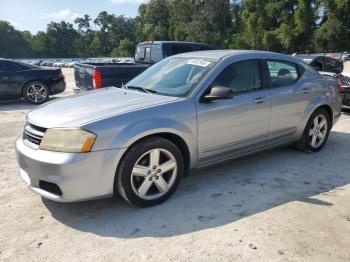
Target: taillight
pixel 339 87
pixel 96 79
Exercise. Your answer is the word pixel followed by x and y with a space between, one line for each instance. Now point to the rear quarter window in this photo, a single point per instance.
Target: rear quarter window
pixel 317 64
pixel 10 67
pixel 332 65
pixel 282 73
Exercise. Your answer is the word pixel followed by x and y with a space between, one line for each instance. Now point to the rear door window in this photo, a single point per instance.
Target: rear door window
pixel 282 73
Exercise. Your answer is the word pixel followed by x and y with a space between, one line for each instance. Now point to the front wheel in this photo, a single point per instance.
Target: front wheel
pixel 316 132
pixel 150 172
pixel 36 93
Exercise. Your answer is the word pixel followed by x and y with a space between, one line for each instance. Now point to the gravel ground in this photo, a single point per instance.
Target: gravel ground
pixel 281 205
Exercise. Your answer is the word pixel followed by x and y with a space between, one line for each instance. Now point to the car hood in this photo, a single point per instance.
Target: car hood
pixel 75 111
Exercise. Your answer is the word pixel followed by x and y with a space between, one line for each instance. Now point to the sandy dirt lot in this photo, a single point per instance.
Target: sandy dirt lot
pixel 346 70
pixel 281 205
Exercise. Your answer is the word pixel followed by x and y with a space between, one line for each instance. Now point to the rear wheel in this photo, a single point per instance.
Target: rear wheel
pixel 150 172
pixel 36 93
pixel 316 132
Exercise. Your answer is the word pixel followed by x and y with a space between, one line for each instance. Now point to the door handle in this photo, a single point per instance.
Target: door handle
pixel 305 90
pixel 260 100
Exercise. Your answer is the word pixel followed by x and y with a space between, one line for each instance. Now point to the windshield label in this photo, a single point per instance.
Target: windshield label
pixel 198 62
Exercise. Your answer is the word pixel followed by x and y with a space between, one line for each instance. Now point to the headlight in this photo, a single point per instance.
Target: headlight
pixel 67 140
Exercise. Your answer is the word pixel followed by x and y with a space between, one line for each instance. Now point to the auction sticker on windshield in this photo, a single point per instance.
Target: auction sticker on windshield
pixel 199 62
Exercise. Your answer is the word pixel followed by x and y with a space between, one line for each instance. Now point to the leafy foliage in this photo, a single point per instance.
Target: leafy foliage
pixel 276 25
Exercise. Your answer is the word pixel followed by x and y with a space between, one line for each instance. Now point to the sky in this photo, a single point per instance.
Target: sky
pixel 34 15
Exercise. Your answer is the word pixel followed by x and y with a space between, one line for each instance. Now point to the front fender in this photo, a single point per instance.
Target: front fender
pixel 135 131
pixel 123 130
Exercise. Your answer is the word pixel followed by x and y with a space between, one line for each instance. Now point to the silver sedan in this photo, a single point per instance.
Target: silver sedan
pixel 185 112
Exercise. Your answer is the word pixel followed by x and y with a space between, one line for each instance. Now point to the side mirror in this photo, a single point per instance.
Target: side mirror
pixel 218 93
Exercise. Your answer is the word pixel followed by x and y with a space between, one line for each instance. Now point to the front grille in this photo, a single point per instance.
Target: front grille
pixel 33 134
pixel 344 81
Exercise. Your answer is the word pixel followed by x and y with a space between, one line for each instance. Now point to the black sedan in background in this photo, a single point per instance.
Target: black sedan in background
pixel 332 67
pixel 32 83
pixel 323 63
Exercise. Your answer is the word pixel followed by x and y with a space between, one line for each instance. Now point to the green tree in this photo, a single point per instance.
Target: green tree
pixel 104 22
pixel 181 13
pixel 96 45
pixel 268 25
pixel 140 23
pixel 207 21
pixel 305 24
pixel 126 48
pixel 41 45
pixel 156 20
pixel 83 41
pixel 334 31
pixel 276 25
pixel 61 37
pixel 13 43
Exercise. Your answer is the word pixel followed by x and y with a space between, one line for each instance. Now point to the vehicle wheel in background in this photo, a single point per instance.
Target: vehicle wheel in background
pixel 36 93
pixel 316 132
pixel 150 172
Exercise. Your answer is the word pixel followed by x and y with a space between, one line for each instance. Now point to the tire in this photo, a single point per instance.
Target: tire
pixel 141 181
pixel 308 142
pixel 36 93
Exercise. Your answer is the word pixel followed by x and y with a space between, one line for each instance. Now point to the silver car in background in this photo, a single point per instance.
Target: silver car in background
pixel 185 112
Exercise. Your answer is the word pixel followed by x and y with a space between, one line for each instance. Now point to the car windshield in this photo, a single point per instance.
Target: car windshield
pixel 174 76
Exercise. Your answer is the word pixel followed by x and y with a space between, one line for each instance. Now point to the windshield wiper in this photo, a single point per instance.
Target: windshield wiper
pixel 140 88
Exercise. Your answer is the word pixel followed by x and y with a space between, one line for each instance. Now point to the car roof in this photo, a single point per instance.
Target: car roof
pixel 179 42
pixel 173 42
pixel 314 56
pixel 19 63
pixel 220 54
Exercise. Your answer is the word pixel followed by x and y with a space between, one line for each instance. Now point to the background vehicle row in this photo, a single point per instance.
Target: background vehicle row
pixel 92 75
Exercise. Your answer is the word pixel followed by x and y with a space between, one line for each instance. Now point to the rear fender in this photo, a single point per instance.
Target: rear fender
pixel 315 103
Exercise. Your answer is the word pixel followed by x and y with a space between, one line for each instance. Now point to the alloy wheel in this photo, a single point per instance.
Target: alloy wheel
pixel 36 93
pixel 153 174
pixel 318 131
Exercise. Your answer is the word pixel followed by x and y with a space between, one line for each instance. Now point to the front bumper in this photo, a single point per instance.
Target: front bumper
pixel 79 176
